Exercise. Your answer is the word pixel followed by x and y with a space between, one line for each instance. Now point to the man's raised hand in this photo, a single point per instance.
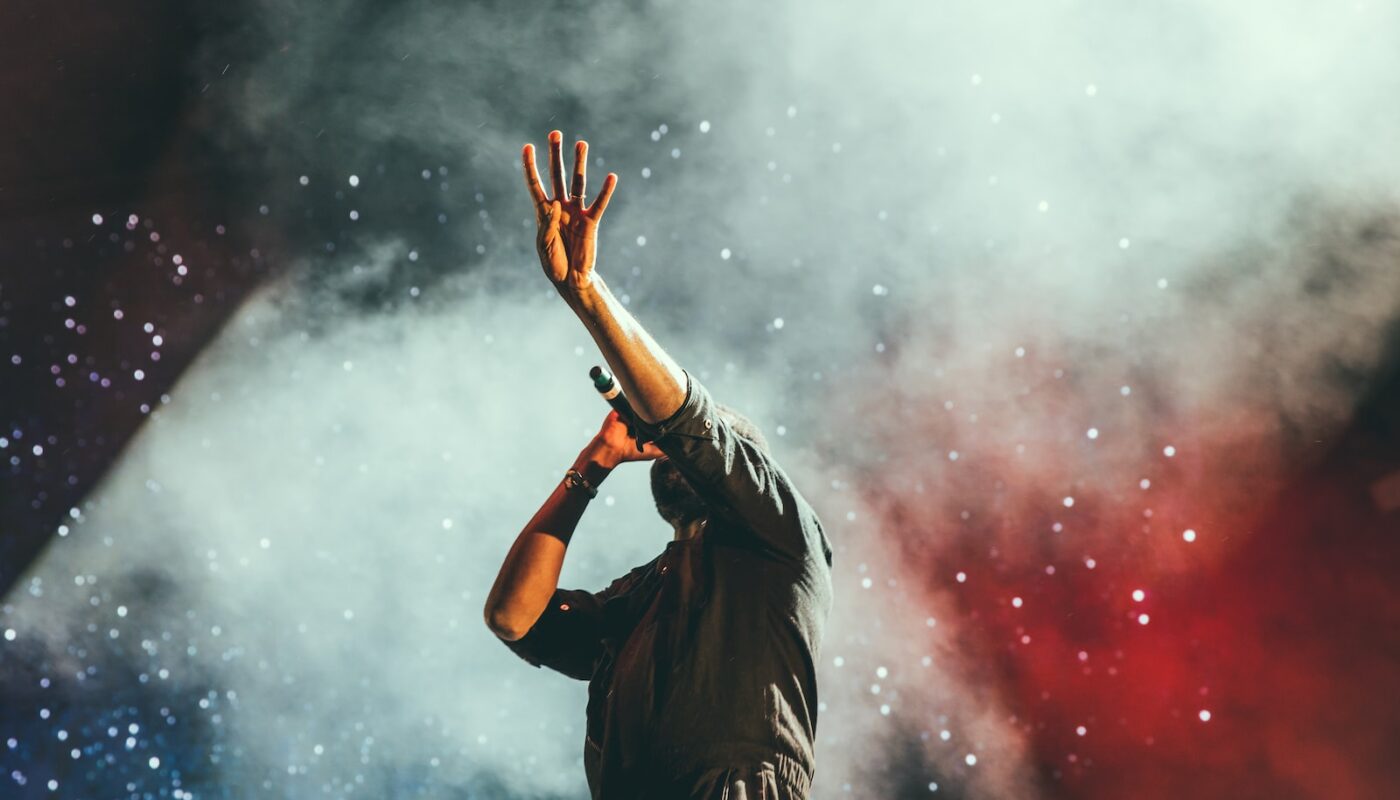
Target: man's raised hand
pixel 567 239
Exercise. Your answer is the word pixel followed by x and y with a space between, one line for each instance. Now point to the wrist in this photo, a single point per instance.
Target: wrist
pixel 587 299
pixel 596 462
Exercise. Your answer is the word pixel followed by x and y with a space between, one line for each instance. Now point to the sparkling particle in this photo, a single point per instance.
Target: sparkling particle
pixel 1143 619
pixel 1144 483
pixel 1169 451
pixel 154 762
pixel 1090 563
pixel 704 126
pixel 97 219
pixel 641 241
pixel 971 760
pixel 1204 715
pixel 962 577
pixel 1139 595
pixel 1020 352
pixel 303 180
pixel 1124 243
pixel 1189 535
pixel 1081 730
pixel 778 323
pixel 1069 502
pixel 354 180
pixel 1125 390
pixel 1016 602
pixel 724 254
pixel 1093 433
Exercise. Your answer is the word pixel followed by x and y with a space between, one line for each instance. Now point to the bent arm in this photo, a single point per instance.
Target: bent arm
pixel 530 573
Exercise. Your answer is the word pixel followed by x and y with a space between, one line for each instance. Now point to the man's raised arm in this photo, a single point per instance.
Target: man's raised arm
pixel 567 243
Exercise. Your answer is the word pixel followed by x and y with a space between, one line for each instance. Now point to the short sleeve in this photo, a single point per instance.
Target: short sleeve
pixel 732 471
pixel 567 637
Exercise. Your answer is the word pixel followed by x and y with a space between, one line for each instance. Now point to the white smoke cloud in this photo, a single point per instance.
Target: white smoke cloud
pixel 1132 195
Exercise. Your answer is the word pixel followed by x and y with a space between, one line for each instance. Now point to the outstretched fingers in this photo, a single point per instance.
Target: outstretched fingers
pixel 595 211
pixel 556 164
pixel 580 164
pixel 532 177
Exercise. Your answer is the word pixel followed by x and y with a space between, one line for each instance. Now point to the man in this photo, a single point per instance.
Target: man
pixel 702 662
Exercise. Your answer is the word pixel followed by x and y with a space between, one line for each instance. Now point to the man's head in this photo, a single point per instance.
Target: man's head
pixel 676 500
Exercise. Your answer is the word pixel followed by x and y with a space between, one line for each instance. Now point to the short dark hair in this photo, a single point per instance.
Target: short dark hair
pixel 744 426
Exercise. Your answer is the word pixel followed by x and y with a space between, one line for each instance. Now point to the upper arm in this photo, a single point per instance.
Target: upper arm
pixel 567 637
pixel 732 471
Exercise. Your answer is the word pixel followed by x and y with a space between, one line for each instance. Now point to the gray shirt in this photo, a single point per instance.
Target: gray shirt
pixel 706 655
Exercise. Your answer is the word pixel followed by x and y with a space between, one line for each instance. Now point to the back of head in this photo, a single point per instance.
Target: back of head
pixel 744 426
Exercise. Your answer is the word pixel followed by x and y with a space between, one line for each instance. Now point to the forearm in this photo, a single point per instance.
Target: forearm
pixel 530 573
pixel 651 379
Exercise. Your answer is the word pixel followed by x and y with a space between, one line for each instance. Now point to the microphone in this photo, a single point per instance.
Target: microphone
pixel 612 392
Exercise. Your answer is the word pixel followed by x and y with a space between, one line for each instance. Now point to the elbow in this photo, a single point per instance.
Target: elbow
pixel 504 625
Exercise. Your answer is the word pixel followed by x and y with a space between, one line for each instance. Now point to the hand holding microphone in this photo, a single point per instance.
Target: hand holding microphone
pixel 619 432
